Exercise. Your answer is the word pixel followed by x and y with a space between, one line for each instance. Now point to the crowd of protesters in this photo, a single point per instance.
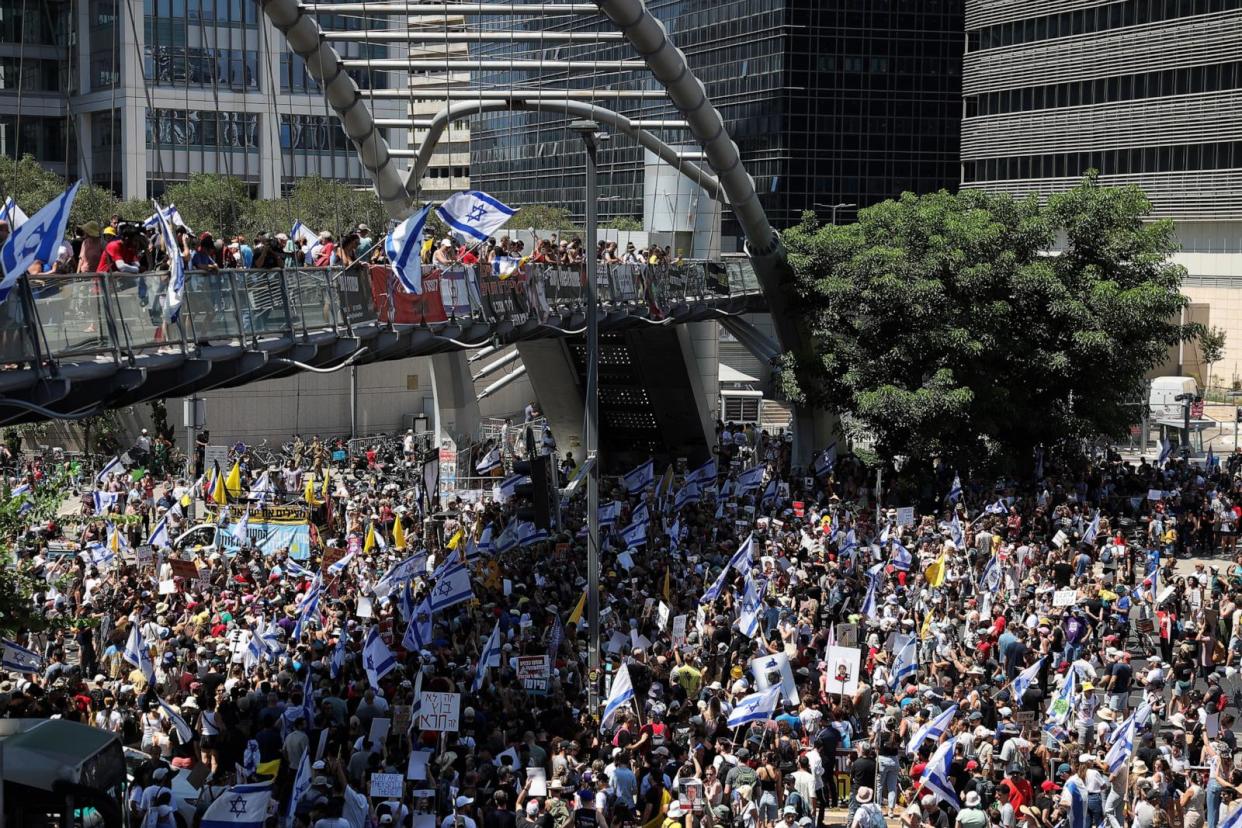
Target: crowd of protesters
pixel 778 648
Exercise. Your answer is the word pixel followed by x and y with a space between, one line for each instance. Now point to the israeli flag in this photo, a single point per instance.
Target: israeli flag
pixel 869 604
pixel 159 535
pixel 705 473
pixel 741 561
pixel 826 461
pixel 338 567
pixel 609 512
pixel 474 215
pixel 13 214
pixel 37 239
pixel 620 694
pixel 505 266
pixel 505 489
pixel 17 658
pixel 936 778
pixel 769 494
pixel 401 572
pixel 403 247
pixel 183 728
pixel 450 590
pixel 241 806
pixel 900 557
pixel 113 466
pixel 506 540
pixel 98 554
pixel 490 461
pixel 635 534
pixel 1079 816
pixel 997 508
pixel 1024 680
pixel 674 532
pixel 751 606
pixel 170 215
pixel 308 607
pixel 263 489
pixel 1123 746
pixel 300 233
pixel 757 707
pixel 176 263
pixel 301 784
pixel 1063 703
pixel 848 544
pixel 955 492
pixel 489 657
pixel 905 662
pixel 933 729
pixel 377 659
pixel 640 478
pixel 308 698
pixel 528 533
pixel 750 479
pixel 1093 529
pixel 687 494
pixel 955 531
pixel 419 630
pixel 137 654
pixel 485 540
pixel 337 662
pixel 1166 451
pixel 297 570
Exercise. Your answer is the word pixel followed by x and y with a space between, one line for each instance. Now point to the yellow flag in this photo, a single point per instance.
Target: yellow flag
pixel 455 540
pixel 935 572
pixel 668 586
pixel 576 615
pixel 232 483
pixel 327 478
pixel 114 540
pixel 925 630
pixel 219 494
pixel 309 494
pixel 398 533
pixel 370 541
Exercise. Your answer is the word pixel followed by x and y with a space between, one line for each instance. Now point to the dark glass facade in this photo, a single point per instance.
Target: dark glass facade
pixel 829 101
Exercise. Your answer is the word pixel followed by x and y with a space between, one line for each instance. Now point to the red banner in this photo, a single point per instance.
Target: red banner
pixel 406 308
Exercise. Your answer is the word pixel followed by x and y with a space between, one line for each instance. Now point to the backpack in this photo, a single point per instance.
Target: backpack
pixel 795 799
pixel 874 817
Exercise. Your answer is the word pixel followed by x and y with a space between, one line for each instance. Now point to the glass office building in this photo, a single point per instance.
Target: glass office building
pixel 830 102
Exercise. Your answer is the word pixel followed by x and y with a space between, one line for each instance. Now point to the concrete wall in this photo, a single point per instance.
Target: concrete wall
pixel 1212 255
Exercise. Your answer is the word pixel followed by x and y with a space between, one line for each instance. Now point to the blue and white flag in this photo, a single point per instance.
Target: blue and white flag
pixel 506 540
pixel 17 658
pixel 338 566
pixel 241 529
pixel 474 215
pixel 113 466
pixel 169 214
pixel 308 698
pixel 308 607
pixel 757 707
pixel 635 534
pixel 956 531
pixel 900 557
pixel 241 806
pixel 1063 702
pixel 609 512
pixel 640 477
pixel 485 540
pixel 1024 680
pixel 848 545
pixel 869 608
pixel 452 589
pixel 507 488
pixel 1079 816
pixel 159 536
pixel 750 608
pixel 419 630
pixel 300 233
pixel 769 493
pixel 955 492
pixel 741 561
pixel 37 239
pixel 403 246
pixel 489 461
pixel 686 495
pixel 704 474
pixel 750 479
pixel 337 663
pixel 936 777
pixel 13 214
pixel 997 508
pixel 400 572
pixel 137 654
pixel 1093 529
pixel 377 659
pixel 1166 451
pixel 990 579
pixel 1123 745
pixel 674 532
pixel 99 555
pixel 104 501
pixel 183 728
pixel 297 570
pixel 528 533
pixel 620 694
pixel 505 266
pixel 488 657
pixel 555 637
pixel 301 784
pixel 825 461
pixel 176 262
pixel 934 729
pixel 905 661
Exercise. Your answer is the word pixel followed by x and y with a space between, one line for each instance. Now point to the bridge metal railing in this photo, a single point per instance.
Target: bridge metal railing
pixel 116 317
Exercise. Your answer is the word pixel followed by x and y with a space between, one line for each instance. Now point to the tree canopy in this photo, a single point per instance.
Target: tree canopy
pixel 974 327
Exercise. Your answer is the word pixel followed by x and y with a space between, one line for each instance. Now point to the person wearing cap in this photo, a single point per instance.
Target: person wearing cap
pixel 445 255
pixel 868 814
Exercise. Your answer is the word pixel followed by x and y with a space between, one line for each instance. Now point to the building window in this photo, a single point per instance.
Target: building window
pixel 313 133
pixel 202 128
pixel 1135 161
pixel 1086 21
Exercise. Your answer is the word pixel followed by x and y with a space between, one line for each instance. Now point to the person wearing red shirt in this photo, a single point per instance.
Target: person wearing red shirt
pixel 119 254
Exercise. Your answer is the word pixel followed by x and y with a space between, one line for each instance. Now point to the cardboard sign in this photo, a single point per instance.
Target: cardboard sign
pixel 538 778
pixel 379 730
pixel 799 508
pixel 145 555
pixel 534 672
pixel 774 669
pixel 1060 539
pixel 905 515
pixel 386 785
pixel 330 556
pixel 1065 597
pixel 416 767
pixel 401 718
pixel 439 712
pixel 183 569
pixel 1024 717
pixel 679 631
pixel 844 664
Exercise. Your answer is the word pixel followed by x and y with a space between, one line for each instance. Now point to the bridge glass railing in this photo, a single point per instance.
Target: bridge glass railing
pixel 118 315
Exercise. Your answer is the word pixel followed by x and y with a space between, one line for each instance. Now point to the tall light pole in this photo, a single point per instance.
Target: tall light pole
pixel 834 208
pixel 589 130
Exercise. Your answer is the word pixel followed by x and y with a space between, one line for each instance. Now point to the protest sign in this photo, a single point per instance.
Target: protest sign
pixel 843 668
pixel 183 569
pixel 847 635
pixel 1064 598
pixel 401 718
pixel 679 631
pixel 771 670
pixel 386 785
pixel 905 515
pixel 440 712
pixel 534 672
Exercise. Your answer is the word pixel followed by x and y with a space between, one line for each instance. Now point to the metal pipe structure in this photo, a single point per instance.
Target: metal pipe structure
pixel 496 365
pixel 425 123
pixel 453 9
pixel 324 65
pixel 482 352
pixel 428 36
pixel 502 382
pixel 580 109
pixel 475 94
pixel 479 64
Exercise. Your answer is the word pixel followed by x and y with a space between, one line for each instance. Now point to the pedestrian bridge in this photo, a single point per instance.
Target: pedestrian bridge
pixel 73 346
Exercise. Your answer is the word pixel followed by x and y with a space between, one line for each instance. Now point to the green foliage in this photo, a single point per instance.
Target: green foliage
pixel 1211 349
pixel 946 326
pixel 136 209
pixel 211 203
pixel 543 217
pixel 32 186
pixel 623 223
pixel 320 204
pixel 18 581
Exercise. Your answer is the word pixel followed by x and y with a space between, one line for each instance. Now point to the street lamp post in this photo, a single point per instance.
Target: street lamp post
pixel 589 130
pixel 834 208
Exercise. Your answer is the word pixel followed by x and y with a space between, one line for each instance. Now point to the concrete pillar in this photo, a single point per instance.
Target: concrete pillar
pixel 133 100
pixel 269 120
pixel 457 407
pixel 814 429
pixel 558 389
pixel 700 343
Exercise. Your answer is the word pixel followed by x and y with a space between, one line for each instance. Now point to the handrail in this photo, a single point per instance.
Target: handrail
pixel 85 316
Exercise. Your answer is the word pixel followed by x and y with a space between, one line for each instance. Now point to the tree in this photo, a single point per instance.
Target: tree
pixel 623 223
pixel 18 580
pixel 31 187
pixel 944 325
pixel 320 204
pixel 210 203
pixel 542 217
pixel 1211 349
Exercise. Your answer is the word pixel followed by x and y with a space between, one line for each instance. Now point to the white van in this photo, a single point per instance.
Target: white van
pixel 1163 401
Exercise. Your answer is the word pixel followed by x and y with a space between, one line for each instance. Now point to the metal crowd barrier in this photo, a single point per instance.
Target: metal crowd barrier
pixel 111 317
